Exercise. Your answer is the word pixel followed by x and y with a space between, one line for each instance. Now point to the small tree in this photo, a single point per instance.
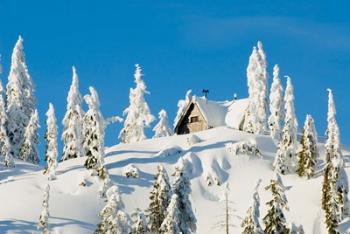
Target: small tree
pixel 93 133
pixel 43 225
pixel 276 105
pixel 29 151
pixel 309 153
pixel 285 160
pixel 182 188
pixel 113 218
pixel 51 143
pixel 162 129
pixel 72 122
pixel 275 222
pixel 138 114
pixel 172 221
pixel 139 223
pixel 160 198
pixel 250 224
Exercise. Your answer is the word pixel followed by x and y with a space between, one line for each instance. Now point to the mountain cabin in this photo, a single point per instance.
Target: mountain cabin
pixel 202 114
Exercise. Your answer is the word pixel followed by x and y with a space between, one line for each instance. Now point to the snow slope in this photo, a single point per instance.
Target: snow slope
pixel 74 208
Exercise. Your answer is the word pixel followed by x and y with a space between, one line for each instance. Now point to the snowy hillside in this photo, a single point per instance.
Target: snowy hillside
pixel 74 208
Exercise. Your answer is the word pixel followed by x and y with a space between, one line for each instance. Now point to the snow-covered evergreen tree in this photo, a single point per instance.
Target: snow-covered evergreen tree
pixel 138 114
pixel 251 223
pixel 73 122
pixel 162 128
pixel 286 155
pixel 173 220
pixel 275 221
pixel 139 223
pixel 113 218
pixel 160 198
pixel 335 184
pixel 276 105
pixel 308 155
pixel 93 134
pixel 51 143
pixel 182 188
pixel 43 225
pixel 29 151
pixel 181 105
pixel 20 98
pixel 255 120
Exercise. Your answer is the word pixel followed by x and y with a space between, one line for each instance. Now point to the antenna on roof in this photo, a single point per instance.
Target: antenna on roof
pixel 205 93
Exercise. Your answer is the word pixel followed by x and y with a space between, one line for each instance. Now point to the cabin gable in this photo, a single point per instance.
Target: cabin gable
pixel 192 121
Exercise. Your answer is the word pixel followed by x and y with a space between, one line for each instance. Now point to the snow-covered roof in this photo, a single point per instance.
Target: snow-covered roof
pixel 221 113
pixel 213 112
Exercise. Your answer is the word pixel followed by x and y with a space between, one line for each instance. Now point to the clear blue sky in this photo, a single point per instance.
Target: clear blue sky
pixel 180 45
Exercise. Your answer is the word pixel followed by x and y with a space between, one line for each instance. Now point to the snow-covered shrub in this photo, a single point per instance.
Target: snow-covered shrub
pixel 210 179
pixel 131 171
pixel 245 147
pixel 193 139
pixel 169 151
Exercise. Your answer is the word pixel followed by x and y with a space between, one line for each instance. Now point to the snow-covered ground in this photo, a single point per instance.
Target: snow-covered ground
pixel 74 208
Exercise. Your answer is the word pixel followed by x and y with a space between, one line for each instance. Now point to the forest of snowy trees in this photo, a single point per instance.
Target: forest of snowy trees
pixel 269 112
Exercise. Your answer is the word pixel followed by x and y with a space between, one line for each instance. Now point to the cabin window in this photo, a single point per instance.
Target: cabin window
pixel 194 119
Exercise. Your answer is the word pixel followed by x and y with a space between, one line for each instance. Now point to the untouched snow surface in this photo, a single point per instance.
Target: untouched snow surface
pixel 74 208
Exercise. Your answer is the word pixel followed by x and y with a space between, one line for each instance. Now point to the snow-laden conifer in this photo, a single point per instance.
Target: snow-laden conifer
pixel 138 114
pixel 20 98
pixel 72 122
pixel 251 223
pixel 285 159
pixel 173 220
pixel 139 223
pixel 276 105
pixel 308 155
pixel 51 151
pixel 335 183
pixel 29 151
pixel 43 225
pixel 255 119
pixel 160 198
pixel 275 221
pixel 113 218
pixel 182 188
pixel 93 134
pixel 162 128
pixel 181 105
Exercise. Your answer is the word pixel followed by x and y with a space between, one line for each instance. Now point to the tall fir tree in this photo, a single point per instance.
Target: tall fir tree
pixel 160 198
pixel 162 128
pixel 73 122
pixel 93 134
pixel 113 218
pixel 335 183
pixel 29 151
pixel 182 188
pixel 255 119
pixel 43 225
pixel 286 155
pixel 173 219
pixel 250 224
pixel 20 98
pixel 308 155
pixel 138 114
pixel 276 105
pixel 182 105
pixel 51 152
pixel 275 221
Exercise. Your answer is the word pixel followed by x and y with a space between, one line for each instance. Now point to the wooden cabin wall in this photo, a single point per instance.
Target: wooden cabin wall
pixel 186 126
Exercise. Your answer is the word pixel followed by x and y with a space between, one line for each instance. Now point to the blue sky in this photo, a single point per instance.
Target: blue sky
pixel 180 45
